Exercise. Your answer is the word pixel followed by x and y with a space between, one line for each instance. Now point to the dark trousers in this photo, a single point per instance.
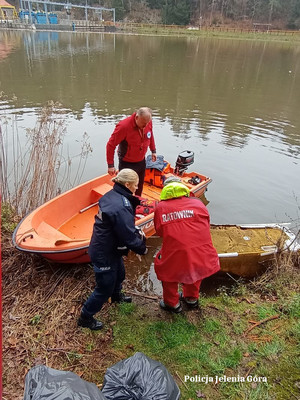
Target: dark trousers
pixel 108 284
pixel 139 168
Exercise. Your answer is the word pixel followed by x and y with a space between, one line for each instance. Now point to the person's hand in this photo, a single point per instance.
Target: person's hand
pixel 112 171
pixel 154 157
pixel 139 256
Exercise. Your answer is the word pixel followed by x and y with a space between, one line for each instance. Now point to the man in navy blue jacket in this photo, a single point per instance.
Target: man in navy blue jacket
pixel 114 234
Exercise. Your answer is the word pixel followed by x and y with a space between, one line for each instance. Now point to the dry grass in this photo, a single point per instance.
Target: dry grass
pixel 41 304
pixel 35 169
pixel 283 272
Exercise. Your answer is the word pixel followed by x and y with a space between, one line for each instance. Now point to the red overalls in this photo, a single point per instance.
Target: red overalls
pixel 187 255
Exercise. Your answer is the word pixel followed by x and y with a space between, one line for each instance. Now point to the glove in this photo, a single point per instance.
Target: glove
pixel 139 256
pixel 122 251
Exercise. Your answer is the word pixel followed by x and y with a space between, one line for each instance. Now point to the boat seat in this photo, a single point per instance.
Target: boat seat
pixel 49 232
pixel 102 189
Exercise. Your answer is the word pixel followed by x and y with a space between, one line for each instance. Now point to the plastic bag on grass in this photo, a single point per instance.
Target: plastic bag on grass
pixel 139 378
pixel 44 383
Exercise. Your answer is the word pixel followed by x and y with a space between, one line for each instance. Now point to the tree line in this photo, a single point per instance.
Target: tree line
pixel 277 13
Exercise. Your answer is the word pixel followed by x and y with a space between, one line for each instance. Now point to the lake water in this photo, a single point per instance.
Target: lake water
pixel 235 103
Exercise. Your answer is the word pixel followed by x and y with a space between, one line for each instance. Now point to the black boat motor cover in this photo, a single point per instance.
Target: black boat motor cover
pixel 139 378
pixel 184 160
pixel 44 383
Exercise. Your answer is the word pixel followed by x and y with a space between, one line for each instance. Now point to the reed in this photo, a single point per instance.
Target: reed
pixel 34 172
pixel 283 272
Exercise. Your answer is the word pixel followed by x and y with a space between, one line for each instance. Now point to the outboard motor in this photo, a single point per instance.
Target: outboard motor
pixel 184 160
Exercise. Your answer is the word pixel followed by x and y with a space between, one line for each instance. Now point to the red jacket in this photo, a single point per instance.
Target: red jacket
pixel 133 142
pixel 187 253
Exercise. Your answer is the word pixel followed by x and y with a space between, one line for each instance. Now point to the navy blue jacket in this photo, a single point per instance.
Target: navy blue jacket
pixel 114 227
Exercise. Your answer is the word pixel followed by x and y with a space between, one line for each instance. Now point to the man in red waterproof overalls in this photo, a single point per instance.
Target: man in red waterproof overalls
pixel 133 135
pixel 187 255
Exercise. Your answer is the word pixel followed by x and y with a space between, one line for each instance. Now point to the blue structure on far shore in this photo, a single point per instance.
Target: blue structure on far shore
pixel 52 18
pixel 41 18
pixel 38 17
pixel 44 17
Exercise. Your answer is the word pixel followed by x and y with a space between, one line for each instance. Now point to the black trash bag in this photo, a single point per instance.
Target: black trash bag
pixel 43 383
pixel 139 378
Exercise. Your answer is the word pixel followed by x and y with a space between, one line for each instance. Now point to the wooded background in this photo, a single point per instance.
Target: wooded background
pixel 273 14
pixel 281 14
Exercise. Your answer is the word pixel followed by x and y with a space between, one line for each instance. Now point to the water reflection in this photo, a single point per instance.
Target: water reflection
pixel 230 84
pixel 142 273
pixel 7 46
pixel 44 45
pixel 235 103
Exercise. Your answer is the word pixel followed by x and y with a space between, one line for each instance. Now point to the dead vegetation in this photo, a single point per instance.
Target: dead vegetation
pixel 41 303
pixel 282 273
pixel 35 166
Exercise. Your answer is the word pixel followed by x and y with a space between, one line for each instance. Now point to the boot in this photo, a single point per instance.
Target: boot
pixel 166 307
pixel 121 298
pixel 191 302
pixel 89 322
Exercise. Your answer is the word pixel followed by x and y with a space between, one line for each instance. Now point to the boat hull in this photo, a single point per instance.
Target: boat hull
pixel 255 247
pixel 247 250
pixel 60 230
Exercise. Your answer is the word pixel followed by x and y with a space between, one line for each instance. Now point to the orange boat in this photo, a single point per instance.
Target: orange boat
pixel 60 230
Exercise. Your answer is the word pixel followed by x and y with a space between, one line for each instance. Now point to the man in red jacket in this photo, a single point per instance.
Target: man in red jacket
pixel 187 255
pixel 133 135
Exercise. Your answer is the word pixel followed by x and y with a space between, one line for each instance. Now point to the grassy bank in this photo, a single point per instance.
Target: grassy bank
pixel 249 331
pixel 225 33
pixel 216 341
